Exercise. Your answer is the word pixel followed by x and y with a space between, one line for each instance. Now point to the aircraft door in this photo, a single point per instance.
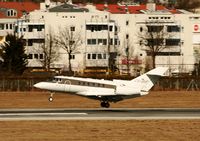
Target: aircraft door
pixel 67 85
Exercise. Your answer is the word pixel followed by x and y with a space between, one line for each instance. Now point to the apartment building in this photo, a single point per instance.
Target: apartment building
pixel 111 36
pixel 11 12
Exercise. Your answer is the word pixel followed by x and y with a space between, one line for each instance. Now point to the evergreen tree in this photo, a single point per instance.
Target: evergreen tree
pixel 13 55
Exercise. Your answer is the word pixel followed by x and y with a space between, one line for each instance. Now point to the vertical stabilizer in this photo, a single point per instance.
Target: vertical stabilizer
pixel 147 80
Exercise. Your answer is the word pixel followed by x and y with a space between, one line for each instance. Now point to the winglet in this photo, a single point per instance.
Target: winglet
pixel 159 71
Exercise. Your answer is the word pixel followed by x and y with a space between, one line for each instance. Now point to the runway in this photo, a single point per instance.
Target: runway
pixel 100 114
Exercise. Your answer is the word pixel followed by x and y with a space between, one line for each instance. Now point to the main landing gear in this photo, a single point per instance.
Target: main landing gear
pixel 105 104
pixel 51 97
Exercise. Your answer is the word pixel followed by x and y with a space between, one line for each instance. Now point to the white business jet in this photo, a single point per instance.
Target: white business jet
pixel 104 90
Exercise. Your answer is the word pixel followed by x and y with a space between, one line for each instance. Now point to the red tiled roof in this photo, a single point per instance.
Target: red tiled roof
pixel 19 6
pixel 117 9
pixel 174 11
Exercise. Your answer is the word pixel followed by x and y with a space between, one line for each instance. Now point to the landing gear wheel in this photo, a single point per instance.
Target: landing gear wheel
pixel 50 99
pixel 105 104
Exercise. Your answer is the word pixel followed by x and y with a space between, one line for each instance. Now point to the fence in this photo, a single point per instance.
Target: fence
pixel 167 83
pixel 19 84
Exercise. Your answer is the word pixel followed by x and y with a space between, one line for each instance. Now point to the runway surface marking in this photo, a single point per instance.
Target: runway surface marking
pixel 100 114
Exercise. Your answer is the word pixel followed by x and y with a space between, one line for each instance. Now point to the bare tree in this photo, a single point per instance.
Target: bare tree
pixel 128 53
pixel 152 39
pixel 49 50
pixel 69 40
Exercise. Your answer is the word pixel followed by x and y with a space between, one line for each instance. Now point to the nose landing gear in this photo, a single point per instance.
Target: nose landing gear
pixel 51 97
pixel 105 104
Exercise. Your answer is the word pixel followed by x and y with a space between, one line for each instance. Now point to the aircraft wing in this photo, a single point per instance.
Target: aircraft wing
pixel 97 92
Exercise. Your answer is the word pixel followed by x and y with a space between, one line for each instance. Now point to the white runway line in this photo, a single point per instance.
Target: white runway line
pixel 40 114
pixel 96 118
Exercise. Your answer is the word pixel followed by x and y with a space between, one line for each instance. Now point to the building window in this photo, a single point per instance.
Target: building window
pixel 7 26
pixel 94 56
pixel 91 41
pixel 1 26
pixel 8 13
pixel 102 41
pixel 11 13
pixel 11 26
pixel 111 41
pixel 127 36
pixel 127 23
pixel 35 56
pixel 39 27
pixel 30 56
pixel 116 29
pixel 30 42
pixel 173 28
pixel 155 42
pixel 41 56
pixel 99 56
pixel 72 28
pixel 104 56
pixel 172 42
pixel 155 28
pixel 140 42
pixel 116 41
pixel 93 28
pixel 111 28
pixel 72 56
pixel 141 29
pixel 88 56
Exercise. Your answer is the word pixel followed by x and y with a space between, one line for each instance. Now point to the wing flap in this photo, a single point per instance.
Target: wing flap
pixel 97 92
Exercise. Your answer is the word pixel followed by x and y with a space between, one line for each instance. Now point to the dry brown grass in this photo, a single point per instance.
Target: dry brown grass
pixel 100 130
pixel 131 130
pixel 156 99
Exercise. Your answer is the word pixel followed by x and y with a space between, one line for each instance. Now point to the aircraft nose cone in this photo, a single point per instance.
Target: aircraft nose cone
pixel 37 85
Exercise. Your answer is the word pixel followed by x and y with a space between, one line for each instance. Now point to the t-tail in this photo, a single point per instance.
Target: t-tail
pixel 148 80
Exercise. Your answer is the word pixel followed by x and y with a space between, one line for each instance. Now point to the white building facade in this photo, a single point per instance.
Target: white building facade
pixel 110 36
